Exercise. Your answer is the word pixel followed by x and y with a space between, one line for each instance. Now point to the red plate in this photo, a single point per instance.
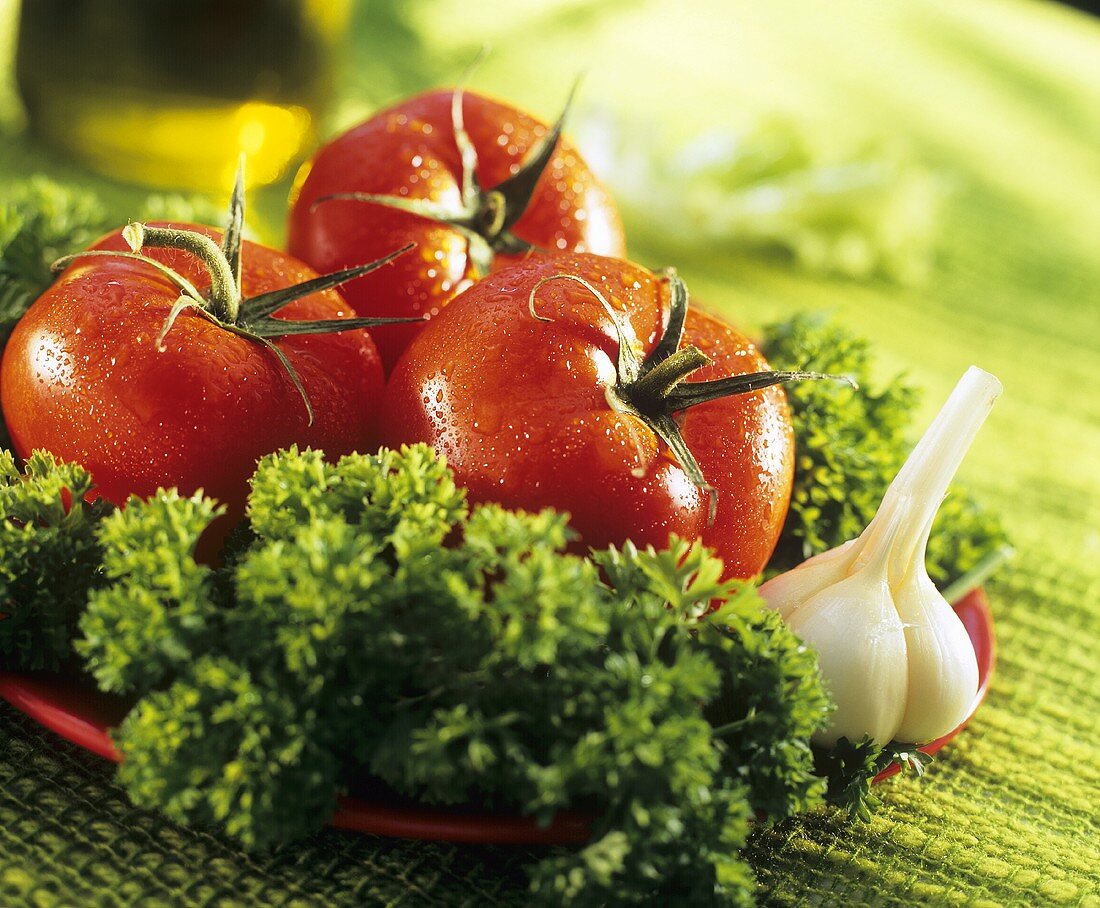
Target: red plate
pixel 86 717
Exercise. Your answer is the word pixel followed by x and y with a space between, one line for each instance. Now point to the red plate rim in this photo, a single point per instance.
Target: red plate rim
pixel 85 718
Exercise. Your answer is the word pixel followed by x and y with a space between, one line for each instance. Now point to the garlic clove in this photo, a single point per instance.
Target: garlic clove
pixel 943 670
pixel 860 643
pixel 786 592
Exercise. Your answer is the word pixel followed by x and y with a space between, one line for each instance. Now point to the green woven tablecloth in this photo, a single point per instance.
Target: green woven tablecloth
pixel 1004 99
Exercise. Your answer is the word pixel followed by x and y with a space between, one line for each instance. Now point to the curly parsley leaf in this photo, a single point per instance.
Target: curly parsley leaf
pixel 223 746
pixel 849 770
pixel 50 558
pixel 773 700
pixel 159 609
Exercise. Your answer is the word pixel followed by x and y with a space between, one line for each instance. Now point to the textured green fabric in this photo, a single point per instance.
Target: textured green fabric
pixel 1004 97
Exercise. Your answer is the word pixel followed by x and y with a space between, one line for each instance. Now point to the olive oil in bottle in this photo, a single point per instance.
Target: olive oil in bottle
pixel 172 92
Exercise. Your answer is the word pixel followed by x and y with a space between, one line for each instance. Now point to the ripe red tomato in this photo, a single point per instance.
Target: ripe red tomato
pixel 83 377
pixel 537 414
pixel 409 152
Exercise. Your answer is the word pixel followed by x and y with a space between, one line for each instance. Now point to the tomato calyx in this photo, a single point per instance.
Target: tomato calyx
pixel 223 304
pixel 484 218
pixel 652 389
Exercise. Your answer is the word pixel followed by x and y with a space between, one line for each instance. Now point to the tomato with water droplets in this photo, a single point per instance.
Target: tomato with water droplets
pixel 87 376
pixel 402 176
pixel 588 385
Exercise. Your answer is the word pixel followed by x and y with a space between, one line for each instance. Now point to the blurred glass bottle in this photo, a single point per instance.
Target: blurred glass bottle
pixel 171 92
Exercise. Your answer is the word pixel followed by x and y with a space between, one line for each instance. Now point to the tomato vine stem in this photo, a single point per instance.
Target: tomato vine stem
pixel 224 305
pixel 224 296
pixel 484 218
pixel 654 389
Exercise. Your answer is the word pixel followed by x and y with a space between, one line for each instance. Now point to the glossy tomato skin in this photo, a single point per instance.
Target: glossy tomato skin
pixel 519 409
pixel 82 377
pixel 409 150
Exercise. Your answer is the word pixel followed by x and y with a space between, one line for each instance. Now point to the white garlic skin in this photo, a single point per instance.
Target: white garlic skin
pixel 864 669
pixel 943 670
pixel 786 592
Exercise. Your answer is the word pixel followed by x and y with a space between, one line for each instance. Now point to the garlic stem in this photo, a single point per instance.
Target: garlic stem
pixel 930 467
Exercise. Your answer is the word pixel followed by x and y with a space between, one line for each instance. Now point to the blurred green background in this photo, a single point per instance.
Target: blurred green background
pixel 926 170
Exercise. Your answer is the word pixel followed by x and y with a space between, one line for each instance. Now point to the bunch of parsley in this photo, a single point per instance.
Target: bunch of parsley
pixel 368 623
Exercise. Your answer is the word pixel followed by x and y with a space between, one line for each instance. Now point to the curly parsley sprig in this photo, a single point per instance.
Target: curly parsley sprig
pixel 371 624
pixel 50 559
pixel 850 767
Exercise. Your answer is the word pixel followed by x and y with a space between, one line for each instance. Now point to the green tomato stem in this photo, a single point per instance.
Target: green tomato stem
pixel 651 391
pixel 683 397
pixel 224 297
pixel 485 217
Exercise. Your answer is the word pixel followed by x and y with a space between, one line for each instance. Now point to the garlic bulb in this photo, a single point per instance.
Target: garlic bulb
pixel 895 657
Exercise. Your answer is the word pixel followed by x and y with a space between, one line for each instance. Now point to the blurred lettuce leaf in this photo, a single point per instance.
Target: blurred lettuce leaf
pixel 862 212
